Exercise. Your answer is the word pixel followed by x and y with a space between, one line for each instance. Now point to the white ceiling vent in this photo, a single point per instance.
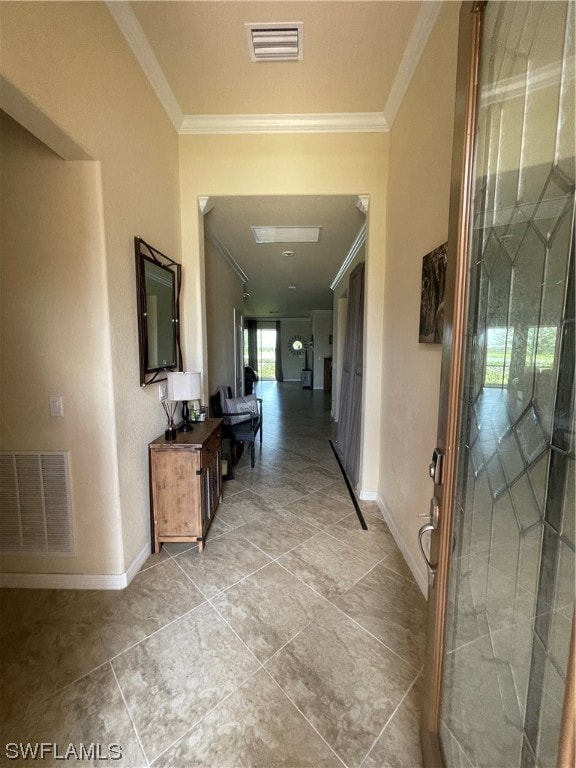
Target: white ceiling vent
pixel 286 235
pixel 281 41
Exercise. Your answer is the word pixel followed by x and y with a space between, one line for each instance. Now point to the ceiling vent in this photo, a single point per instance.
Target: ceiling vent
pixel 286 235
pixel 281 41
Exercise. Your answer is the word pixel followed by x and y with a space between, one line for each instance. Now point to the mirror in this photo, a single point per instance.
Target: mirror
pixel 296 345
pixel 158 298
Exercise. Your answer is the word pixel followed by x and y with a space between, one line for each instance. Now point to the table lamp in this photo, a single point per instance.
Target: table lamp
pixel 183 387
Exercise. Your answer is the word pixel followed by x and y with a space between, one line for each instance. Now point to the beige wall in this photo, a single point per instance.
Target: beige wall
pixel 68 72
pixel 322 320
pixel 418 192
pixel 147 189
pixel 52 270
pixel 292 364
pixel 323 164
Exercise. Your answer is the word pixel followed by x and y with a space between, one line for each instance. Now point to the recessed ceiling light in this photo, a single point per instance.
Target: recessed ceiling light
pixel 291 287
pixel 286 234
pixel 288 254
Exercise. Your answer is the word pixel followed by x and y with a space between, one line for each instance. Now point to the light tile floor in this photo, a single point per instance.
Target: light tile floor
pixel 295 639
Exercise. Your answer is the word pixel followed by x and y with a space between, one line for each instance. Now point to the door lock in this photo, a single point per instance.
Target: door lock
pixel 436 468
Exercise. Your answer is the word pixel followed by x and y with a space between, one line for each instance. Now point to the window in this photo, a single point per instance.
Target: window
pixel 266 341
pixel 532 347
pixel 541 347
pixel 498 354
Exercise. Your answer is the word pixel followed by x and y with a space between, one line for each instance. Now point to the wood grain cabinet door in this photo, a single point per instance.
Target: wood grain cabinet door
pixel 177 492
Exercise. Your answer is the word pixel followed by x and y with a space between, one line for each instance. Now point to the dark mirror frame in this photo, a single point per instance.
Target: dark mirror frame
pixel 147 254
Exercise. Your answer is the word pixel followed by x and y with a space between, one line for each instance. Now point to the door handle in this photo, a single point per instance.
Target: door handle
pixel 424 529
pixel 432 524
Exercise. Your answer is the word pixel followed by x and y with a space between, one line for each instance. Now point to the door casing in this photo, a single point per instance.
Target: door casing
pixel 453 349
pixel 453 357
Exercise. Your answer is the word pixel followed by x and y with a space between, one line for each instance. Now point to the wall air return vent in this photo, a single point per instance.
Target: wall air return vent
pixel 280 41
pixel 35 503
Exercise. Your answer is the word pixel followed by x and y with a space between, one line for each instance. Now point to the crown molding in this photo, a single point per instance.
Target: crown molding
pixel 130 27
pixel 353 122
pixel 226 255
pixel 363 203
pixel 205 204
pixel 423 26
pixel 352 253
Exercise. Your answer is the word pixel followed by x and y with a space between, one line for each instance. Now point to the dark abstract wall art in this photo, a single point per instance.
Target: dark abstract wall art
pixel 432 296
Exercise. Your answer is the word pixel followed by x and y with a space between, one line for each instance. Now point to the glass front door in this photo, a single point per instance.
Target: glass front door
pixel 509 591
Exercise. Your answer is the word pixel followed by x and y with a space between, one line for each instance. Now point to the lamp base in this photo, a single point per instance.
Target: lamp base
pixel 186 425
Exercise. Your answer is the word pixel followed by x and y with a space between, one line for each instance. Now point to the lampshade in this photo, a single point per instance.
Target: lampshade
pixel 184 386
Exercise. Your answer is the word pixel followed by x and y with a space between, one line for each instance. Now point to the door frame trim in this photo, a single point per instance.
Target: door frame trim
pixel 453 360
pixel 453 355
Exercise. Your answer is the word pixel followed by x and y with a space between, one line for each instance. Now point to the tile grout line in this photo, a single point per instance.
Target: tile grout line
pixel 302 629
pixel 398 575
pixel 64 687
pixel 374 637
pixel 225 589
pixel 197 722
pixel 297 708
pixel 387 723
pixel 313 498
pixel 127 708
pixel 316 592
pixel 225 620
pixel 110 659
pixel 333 604
pixel 156 631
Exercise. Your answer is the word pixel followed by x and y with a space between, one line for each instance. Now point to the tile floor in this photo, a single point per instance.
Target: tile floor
pixel 296 639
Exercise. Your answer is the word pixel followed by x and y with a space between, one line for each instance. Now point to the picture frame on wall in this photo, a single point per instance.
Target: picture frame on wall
pixel 432 296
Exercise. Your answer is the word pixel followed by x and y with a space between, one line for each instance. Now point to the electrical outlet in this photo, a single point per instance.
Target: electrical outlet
pixel 162 391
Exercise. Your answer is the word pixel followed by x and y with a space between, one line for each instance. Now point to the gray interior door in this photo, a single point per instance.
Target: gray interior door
pixel 349 420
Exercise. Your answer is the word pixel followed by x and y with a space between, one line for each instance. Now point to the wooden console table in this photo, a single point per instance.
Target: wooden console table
pixel 185 484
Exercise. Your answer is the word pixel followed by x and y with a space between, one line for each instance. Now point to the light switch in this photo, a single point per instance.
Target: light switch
pixel 56 407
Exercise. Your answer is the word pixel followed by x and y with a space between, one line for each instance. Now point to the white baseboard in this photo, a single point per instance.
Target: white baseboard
pixel 419 575
pixel 75 580
pixel 138 562
pixel 368 495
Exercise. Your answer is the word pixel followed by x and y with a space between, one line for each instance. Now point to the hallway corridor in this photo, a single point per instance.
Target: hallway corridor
pixel 295 639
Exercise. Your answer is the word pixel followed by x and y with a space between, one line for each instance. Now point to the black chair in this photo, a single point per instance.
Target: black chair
pixel 244 431
pixel 250 378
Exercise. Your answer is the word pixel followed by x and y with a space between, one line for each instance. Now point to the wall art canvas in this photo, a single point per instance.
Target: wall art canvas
pixel 432 296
